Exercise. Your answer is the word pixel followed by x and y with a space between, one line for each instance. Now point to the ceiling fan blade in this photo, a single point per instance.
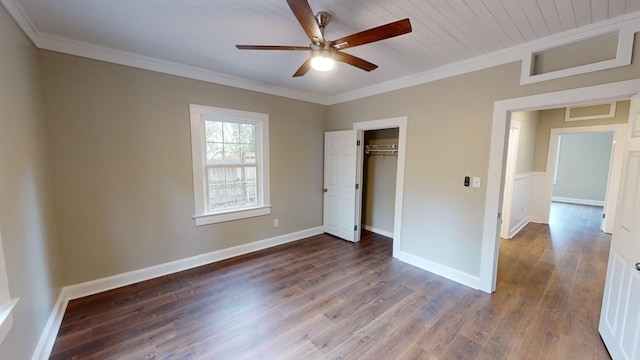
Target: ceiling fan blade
pixel 307 19
pixel 387 31
pixel 272 47
pixel 354 61
pixel 304 68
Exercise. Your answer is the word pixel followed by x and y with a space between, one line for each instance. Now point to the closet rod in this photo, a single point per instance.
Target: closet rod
pixel 381 149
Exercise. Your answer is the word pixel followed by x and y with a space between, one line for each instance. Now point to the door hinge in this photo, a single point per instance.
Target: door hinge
pixel 357 142
pixel 355 227
pixel 357 186
pixel 604 215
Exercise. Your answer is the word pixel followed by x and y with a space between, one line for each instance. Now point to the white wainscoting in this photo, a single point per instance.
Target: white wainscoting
pixel 520 201
pixel 527 205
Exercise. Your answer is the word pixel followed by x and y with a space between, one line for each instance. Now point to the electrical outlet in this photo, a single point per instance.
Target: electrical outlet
pixel 276 222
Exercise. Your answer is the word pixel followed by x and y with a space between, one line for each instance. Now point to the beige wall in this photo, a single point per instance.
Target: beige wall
pixel 528 121
pixel 379 182
pixel 554 119
pixel 449 125
pixel 26 201
pixel 119 145
pixel 583 166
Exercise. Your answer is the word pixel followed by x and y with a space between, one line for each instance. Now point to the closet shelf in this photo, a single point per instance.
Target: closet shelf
pixel 381 149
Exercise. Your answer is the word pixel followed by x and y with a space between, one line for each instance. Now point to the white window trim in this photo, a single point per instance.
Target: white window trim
pixel 198 157
pixel 624 53
pixel 609 115
pixel 6 303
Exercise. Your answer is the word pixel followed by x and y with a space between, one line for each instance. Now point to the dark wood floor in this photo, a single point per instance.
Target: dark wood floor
pixel 324 298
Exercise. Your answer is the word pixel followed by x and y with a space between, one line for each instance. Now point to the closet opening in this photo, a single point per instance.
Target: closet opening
pixel 379 176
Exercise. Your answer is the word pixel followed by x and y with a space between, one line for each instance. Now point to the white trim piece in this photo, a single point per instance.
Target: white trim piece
pixel 523 176
pixel 102 53
pixel 378 231
pixel 517 179
pixel 577 201
pixel 623 57
pixel 50 332
pixel 556 169
pixel 401 124
pixel 621 133
pixel 625 24
pixel 441 270
pixel 198 115
pixel 208 219
pixel 509 177
pixel 132 277
pixel 6 321
pixel 609 115
pixel 7 304
pixel 501 110
pixel 19 15
pixel 516 229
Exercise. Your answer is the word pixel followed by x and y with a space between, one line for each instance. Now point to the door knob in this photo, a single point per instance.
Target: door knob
pixel 638 266
pixel 324 190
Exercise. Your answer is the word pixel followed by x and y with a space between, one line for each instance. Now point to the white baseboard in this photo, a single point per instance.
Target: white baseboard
pixel 577 201
pixel 439 269
pixel 48 337
pixel 378 231
pixel 516 229
pixel 537 220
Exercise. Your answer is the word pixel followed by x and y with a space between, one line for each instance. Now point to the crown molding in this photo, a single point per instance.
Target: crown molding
pixel 629 22
pixel 20 16
pixel 625 23
pixel 91 51
pixel 73 47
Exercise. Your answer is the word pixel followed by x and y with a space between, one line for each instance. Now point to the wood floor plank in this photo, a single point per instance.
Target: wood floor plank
pixel 325 298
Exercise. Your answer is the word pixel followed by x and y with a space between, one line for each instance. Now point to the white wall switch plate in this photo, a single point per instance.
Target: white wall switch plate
pixel 475 182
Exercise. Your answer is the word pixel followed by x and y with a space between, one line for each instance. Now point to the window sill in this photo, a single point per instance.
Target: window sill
pixel 207 219
pixel 5 318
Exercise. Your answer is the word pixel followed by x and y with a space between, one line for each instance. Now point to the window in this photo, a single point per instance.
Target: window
pixel 230 152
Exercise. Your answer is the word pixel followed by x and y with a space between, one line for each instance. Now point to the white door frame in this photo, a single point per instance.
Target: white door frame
pixel 620 135
pixel 509 178
pixel 501 111
pixel 401 124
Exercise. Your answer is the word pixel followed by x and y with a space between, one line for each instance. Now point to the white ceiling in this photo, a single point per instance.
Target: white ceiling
pixel 202 34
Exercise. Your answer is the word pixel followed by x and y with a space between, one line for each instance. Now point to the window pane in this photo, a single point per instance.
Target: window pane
pixel 232 154
pixel 231 133
pixel 248 154
pixel 247 134
pixel 213 131
pixel 229 143
pixel 216 188
pixel 250 175
pixel 214 153
pixel 231 186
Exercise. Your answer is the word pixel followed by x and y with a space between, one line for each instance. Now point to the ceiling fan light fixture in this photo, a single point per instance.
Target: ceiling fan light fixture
pixel 322 61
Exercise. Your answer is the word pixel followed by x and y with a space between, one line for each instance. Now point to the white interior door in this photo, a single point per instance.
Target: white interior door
pixel 620 314
pixel 340 150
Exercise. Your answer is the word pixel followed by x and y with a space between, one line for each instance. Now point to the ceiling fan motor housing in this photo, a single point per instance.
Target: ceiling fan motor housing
pixel 323 18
